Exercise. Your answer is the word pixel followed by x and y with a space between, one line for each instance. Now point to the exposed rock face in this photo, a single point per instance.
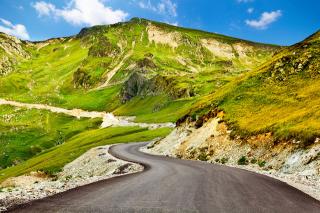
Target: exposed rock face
pixel 81 79
pixel 217 48
pixel 139 85
pixel 103 48
pixel 11 49
pixel 13 46
pixel 229 51
pixel 146 63
pixel 304 60
pixel 134 86
pixel 159 36
pixel 5 65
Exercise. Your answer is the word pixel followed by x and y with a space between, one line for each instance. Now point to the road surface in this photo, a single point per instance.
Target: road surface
pixel 174 185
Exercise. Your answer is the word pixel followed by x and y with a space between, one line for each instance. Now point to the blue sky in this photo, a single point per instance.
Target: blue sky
pixel 283 22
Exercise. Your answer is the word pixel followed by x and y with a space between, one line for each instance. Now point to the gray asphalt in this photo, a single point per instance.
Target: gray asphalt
pixel 173 185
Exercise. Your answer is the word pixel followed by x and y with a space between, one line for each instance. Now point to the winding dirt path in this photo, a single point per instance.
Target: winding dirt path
pixel 108 118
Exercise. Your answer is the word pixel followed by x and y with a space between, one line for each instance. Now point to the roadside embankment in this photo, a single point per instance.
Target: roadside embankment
pixel 287 161
pixel 95 165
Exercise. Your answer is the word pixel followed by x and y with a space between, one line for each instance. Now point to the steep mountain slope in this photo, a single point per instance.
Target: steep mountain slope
pixel 266 120
pixel 136 63
pixel 281 96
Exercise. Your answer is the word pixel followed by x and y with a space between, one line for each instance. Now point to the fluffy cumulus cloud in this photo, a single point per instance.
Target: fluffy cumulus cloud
pixel 265 19
pixel 165 7
pixel 82 12
pixel 44 8
pixel 17 30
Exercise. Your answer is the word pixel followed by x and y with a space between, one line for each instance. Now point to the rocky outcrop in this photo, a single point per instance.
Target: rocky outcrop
pixel 81 79
pixel 145 64
pixel 139 85
pixel 303 58
pixel 11 51
pixel 5 65
pixel 103 48
pixel 160 36
pixel 134 86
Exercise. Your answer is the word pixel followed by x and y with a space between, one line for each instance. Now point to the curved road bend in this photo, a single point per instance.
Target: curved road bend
pixel 174 185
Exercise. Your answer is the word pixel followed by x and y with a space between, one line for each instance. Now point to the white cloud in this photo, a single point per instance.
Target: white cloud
pixel 265 20
pixel 165 7
pixel 44 8
pixel 147 5
pixel 250 10
pixel 82 12
pixel 170 7
pixel 17 30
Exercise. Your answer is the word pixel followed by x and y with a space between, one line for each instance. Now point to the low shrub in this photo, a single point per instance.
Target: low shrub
pixel 202 157
pixel 253 161
pixel 224 160
pixel 261 163
pixel 243 161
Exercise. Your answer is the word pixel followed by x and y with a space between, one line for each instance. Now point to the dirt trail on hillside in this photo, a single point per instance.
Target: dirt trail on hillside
pixel 108 118
pixel 112 72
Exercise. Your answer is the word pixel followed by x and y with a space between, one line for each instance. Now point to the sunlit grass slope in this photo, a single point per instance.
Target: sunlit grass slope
pixel 25 133
pixel 176 65
pixel 280 96
pixel 52 160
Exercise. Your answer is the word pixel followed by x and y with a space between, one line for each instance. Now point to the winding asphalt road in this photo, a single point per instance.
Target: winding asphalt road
pixel 173 185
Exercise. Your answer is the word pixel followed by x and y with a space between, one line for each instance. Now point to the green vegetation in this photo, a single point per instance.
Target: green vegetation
pixel 155 109
pixel 243 161
pixel 202 156
pixel 286 104
pixel 224 160
pixel 67 72
pixel 261 88
pixel 262 163
pixel 25 133
pixel 52 160
pixel 253 161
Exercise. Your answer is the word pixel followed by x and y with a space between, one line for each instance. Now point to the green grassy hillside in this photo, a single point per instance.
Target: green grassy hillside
pixel 52 160
pixel 25 133
pixel 111 67
pixel 280 96
pixel 142 68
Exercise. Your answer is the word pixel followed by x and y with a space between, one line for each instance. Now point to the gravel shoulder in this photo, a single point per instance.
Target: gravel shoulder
pixel 95 165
